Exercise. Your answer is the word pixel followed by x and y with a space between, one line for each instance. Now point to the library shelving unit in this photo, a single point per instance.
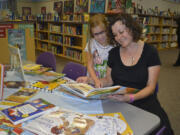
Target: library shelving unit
pixel 65 39
pixel 161 30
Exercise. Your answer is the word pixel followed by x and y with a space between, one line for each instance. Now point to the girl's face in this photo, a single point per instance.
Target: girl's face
pixel 122 34
pixel 100 35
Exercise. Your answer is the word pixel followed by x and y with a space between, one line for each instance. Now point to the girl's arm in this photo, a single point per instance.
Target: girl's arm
pixel 107 81
pixel 91 71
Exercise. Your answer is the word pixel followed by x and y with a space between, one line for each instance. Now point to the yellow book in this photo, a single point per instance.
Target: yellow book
pixel 22 95
pixel 29 67
pixel 123 129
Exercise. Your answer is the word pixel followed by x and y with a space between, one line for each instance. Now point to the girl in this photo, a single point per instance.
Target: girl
pixel 97 49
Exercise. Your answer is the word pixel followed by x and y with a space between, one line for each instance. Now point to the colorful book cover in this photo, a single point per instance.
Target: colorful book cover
pixel 111 123
pixel 69 6
pixel 30 67
pixel 14 84
pixel 115 6
pixel 48 86
pixel 81 6
pixel 60 122
pixel 8 128
pixel 22 95
pixel 1 81
pixel 97 6
pixel 28 110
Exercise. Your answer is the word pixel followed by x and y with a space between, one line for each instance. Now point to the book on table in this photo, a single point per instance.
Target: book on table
pixel 68 123
pixel 28 110
pixel 22 95
pixel 87 91
pixel 8 128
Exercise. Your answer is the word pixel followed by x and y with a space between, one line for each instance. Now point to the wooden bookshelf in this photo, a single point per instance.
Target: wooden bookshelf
pixel 66 39
pixel 161 30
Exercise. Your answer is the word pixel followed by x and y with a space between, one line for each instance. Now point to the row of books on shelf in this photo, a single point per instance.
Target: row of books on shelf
pixel 73 30
pixel 56 38
pixel 56 28
pixel 65 17
pixel 75 54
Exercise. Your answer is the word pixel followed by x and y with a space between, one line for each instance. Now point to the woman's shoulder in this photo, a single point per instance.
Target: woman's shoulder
pixel 149 48
pixel 114 49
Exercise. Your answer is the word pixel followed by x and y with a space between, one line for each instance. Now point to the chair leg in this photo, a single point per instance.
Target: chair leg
pixel 160 132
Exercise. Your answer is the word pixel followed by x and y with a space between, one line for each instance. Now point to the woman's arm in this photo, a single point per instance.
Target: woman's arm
pixel 151 84
pixel 145 92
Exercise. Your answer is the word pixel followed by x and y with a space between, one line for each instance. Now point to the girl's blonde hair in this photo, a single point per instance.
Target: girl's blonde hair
pixel 98 20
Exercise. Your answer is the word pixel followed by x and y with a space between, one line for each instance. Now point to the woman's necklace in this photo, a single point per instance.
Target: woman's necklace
pixel 134 56
pixel 130 58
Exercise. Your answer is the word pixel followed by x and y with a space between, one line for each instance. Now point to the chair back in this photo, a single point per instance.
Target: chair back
pixel 74 70
pixel 47 59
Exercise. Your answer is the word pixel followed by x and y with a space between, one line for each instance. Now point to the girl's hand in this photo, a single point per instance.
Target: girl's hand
pixel 98 84
pixel 82 79
pixel 122 98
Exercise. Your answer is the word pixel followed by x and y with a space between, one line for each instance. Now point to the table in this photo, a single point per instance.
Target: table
pixel 141 122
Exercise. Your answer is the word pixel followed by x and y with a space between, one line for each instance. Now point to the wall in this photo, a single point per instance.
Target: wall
pixel 163 5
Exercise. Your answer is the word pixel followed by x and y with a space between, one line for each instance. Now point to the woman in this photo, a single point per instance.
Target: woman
pixel 134 64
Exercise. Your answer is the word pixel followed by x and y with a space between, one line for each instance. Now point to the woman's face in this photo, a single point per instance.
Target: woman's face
pixel 99 34
pixel 122 34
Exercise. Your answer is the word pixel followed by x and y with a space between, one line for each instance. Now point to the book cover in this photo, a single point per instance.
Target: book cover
pixel 69 6
pixel 49 86
pixel 29 67
pixel 28 110
pixel 115 6
pixel 81 6
pixel 22 95
pixel 16 63
pixel 111 123
pixel 87 91
pixel 97 6
pixel 1 81
pixel 14 84
pixel 8 128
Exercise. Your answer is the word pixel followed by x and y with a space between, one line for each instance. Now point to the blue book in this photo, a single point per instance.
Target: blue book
pixel 28 110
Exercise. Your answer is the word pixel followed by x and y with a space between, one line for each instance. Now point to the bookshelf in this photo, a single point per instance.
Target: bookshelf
pixel 160 30
pixel 66 39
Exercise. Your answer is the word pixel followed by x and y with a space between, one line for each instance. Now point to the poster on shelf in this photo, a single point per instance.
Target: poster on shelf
pixel 16 37
pixel 29 26
pixel 58 7
pixel 97 6
pixel 81 6
pixel 69 6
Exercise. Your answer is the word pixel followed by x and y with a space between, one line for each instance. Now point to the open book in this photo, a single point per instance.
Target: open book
pixel 86 91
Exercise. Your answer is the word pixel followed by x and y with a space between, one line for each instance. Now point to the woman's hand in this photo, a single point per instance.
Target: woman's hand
pixel 82 79
pixel 122 98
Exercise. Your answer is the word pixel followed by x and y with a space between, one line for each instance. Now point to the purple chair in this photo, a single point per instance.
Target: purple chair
pixel 47 59
pixel 74 70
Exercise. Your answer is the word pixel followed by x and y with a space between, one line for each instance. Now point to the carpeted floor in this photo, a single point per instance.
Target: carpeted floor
pixel 169 85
